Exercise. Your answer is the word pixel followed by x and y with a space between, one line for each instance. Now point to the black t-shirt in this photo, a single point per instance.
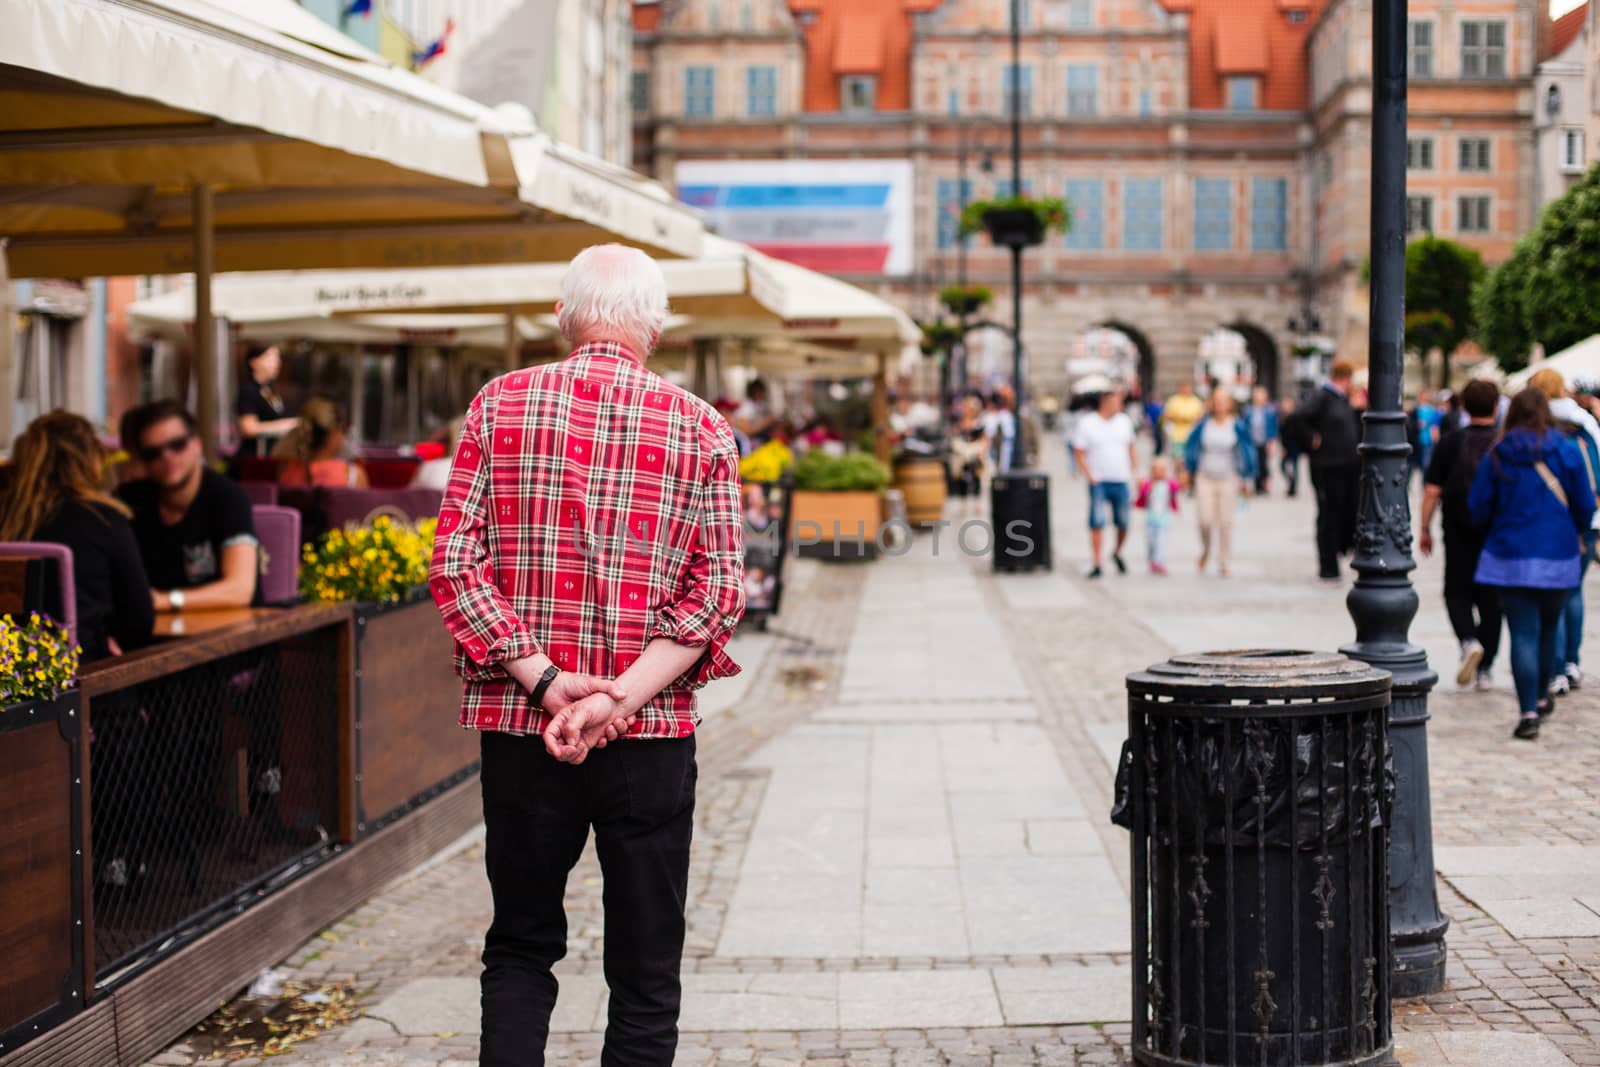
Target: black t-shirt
pixel 189 552
pixel 258 400
pixel 113 597
pixel 1452 468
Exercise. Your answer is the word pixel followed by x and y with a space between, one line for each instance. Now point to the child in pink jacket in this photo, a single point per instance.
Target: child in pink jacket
pixel 1158 497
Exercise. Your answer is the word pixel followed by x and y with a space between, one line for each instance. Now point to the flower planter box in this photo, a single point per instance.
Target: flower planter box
pixel 1013 227
pixel 835 526
pixel 965 304
pixel 41 866
pixel 408 746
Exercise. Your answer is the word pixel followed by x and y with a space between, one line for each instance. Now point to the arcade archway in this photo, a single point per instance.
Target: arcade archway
pixel 1116 350
pixel 1239 356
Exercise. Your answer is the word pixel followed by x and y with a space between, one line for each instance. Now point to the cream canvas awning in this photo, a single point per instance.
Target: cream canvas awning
pixel 730 291
pixel 317 153
pixel 1580 363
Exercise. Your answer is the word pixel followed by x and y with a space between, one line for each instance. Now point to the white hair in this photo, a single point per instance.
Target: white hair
pixel 613 292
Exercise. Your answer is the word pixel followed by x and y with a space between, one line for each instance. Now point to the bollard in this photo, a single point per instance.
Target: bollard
pixel 1254 784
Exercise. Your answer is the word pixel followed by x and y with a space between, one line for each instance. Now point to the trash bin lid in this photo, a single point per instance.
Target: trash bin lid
pixel 1259 674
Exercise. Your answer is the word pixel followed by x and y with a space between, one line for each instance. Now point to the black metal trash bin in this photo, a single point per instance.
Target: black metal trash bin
pixel 1255 787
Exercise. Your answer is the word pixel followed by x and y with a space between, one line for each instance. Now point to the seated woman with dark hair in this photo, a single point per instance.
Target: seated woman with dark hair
pixel 313 453
pixel 57 494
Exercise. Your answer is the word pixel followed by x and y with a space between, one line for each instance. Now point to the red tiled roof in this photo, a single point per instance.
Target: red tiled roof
pixel 1228 37
pixel 856 37
pixel 1242 49
pixel 1567 28
pixel 858 46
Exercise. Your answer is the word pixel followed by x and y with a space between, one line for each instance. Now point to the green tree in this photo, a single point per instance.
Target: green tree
pixel 1499 324
pixel 1561 298
pixel 1548 292
pixel 1440 276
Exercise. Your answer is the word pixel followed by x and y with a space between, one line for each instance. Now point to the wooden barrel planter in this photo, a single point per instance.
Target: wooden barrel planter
pixel 922 480
pixel 408 746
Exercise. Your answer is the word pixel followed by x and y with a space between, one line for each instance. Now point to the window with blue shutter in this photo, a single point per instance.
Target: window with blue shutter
pixel 1141 214
pixel 699 92
pixel 953 192
pixel 1083 88
pixel 1213 214
pixel 1086 202
pixel 761 89
pixel 1269 214
pixel 1008 83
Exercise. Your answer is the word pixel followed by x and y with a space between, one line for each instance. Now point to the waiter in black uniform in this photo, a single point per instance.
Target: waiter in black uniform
pixel 259 407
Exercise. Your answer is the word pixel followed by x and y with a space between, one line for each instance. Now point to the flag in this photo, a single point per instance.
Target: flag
pixel 358 7
pixel 436 48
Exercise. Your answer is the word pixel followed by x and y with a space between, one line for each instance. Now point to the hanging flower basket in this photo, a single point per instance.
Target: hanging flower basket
pixel 1017 221
pixel 965 299
pixel 939 337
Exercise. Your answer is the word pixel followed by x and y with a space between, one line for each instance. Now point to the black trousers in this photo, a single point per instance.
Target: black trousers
pixel 639 797
pixel 1262 469
pixel 1474 609
pixel 1289 464
pixel 1338 501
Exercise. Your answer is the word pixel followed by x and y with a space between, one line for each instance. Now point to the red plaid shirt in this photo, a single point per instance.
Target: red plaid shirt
pixel 592 507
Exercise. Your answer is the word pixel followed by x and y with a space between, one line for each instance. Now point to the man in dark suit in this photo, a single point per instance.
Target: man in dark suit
pixel 1329 433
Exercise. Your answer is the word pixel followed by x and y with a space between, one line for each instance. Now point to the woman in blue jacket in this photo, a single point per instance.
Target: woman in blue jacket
pixel 1532 494
pixel 1220 456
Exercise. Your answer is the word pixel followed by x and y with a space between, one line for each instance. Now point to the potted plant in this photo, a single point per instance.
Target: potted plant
pixel 1017 221
pixel 837 505
pixel 965 299
pixel 38 664
pixel 939 336
pixel 405 752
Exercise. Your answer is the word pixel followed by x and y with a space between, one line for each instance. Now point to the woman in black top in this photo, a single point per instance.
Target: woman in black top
pixel 56 495
pixel 259 407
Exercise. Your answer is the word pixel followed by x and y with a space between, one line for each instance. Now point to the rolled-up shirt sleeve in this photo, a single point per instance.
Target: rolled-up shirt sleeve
pixel 712 599
pixel 486 629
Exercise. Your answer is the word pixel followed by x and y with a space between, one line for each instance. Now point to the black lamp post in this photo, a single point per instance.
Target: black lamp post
pixel 1383 602
pixel 1016 249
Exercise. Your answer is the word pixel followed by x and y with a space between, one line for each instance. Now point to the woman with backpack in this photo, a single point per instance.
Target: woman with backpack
pixel 1532 496
pixel 1581 429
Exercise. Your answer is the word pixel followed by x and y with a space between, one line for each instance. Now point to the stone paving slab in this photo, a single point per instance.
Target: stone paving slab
pixel 1488 1049
pixel 900 1000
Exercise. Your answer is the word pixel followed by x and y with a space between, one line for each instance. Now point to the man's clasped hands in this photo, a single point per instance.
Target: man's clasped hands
pixel 586 713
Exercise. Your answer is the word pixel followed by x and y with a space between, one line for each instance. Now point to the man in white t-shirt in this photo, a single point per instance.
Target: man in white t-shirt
pixel 1102 447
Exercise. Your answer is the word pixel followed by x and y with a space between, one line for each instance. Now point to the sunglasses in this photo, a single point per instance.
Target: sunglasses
pixel 151 453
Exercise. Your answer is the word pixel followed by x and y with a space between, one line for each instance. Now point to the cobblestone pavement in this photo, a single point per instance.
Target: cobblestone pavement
pixel 884 681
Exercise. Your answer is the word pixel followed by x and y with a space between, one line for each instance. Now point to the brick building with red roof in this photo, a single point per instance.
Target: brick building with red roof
pixel 1215 152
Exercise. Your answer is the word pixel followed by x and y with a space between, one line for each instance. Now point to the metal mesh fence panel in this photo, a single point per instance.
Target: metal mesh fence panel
pixel 208 786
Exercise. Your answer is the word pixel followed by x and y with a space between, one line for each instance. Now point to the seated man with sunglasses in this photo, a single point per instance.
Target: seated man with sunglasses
pixel 194 527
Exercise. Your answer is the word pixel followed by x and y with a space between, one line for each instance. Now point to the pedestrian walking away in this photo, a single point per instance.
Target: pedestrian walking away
pixel 1288 446
pixel 1532 496
pixel 1474 608
pixel 588 565
pixel 1579 427
pixel 1221 454
pixel 1263 421
pixel 1103 449
pixel 1329 432
pixel 1158 499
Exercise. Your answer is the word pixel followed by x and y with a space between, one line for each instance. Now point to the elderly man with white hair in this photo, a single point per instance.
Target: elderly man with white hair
pixel 589 565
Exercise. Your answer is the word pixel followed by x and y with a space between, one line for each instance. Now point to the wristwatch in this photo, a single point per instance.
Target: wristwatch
pixel 175 599
pixel 543 685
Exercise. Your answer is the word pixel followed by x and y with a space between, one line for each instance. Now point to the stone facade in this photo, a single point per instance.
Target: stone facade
pixel 1217 156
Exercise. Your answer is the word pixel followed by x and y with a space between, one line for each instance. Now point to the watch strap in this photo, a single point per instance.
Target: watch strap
pixel 543 685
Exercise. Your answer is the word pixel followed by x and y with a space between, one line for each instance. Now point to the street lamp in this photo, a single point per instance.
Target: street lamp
pixel 1016 249
pixel 1383 601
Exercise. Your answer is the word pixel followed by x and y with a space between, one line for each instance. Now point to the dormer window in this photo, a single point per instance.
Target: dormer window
pixel 1243 92
pixel 858 93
